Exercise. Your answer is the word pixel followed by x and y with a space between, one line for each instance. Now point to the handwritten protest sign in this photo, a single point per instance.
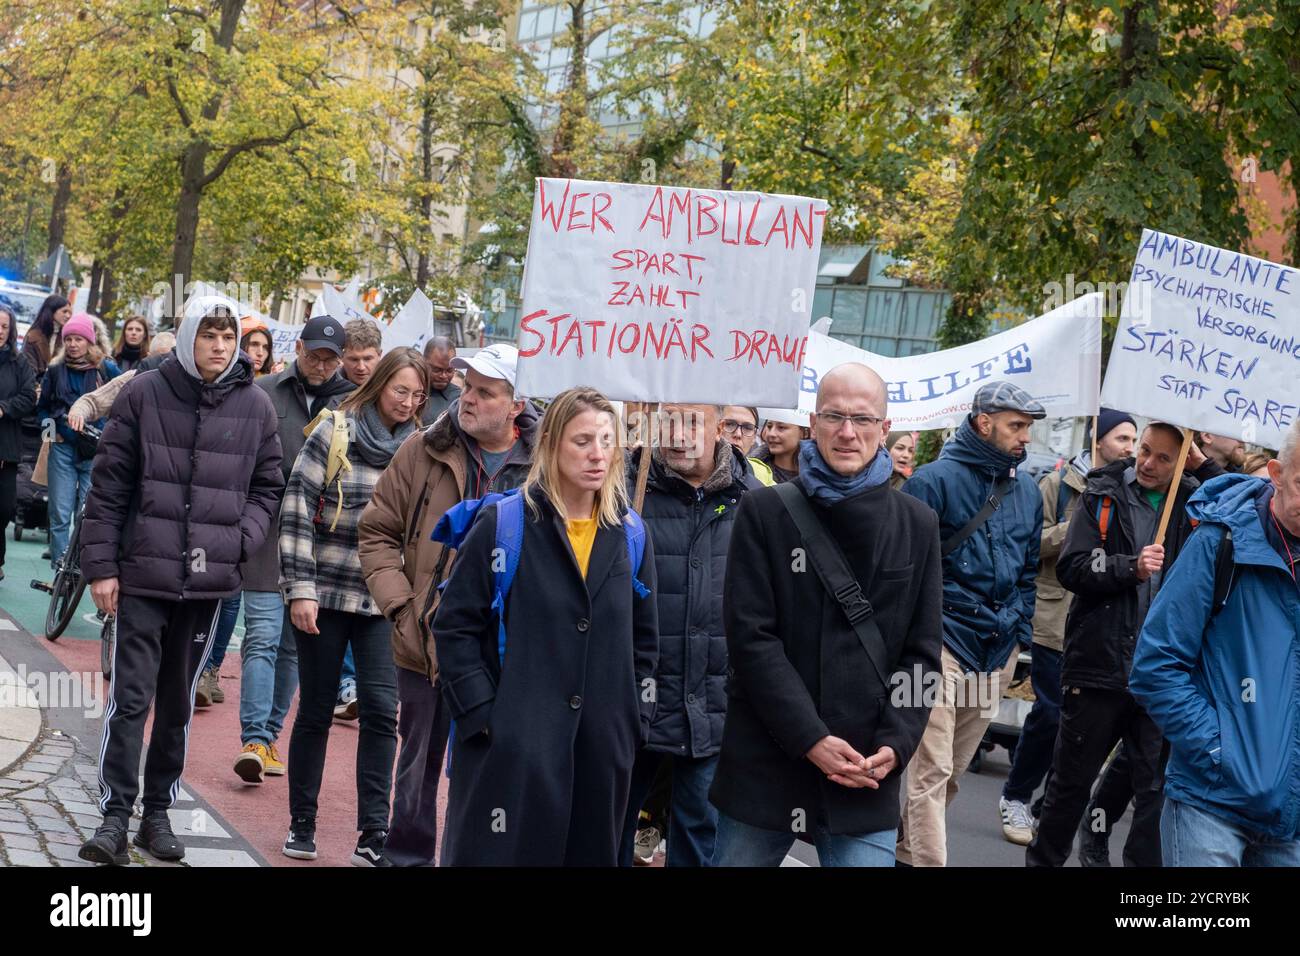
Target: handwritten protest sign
pixel 1056 358
pixel 657 293
pixel 1208 339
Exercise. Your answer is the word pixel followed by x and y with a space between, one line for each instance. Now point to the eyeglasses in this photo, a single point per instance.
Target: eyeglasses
pixel 331 361
pixel 730 426
pixel 837 419
pixel 402 393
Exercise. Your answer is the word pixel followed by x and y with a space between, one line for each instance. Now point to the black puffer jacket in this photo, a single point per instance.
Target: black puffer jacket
pixel 1109 606
pixel 17 400
pixel 692 532
pixel 186 482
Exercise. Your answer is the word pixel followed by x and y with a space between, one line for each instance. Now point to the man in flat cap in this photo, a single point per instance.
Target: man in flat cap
pixel 990 521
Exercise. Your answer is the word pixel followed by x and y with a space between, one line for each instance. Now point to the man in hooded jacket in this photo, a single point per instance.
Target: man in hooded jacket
pixel 990 523
pixel 185 486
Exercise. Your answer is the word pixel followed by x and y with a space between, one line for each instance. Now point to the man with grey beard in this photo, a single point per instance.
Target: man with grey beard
pixel 693 490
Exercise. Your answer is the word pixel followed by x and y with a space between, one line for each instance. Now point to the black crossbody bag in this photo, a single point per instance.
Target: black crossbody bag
pixel 836 577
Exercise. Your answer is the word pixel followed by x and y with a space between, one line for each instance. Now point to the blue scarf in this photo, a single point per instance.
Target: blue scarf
pixel 824 484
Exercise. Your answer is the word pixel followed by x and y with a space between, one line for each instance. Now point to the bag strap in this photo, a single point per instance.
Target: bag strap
pixel 509 544
pixel 1104 510
pixel 1000 488
pixel 336 457
pixel 634 537
pixel 836 577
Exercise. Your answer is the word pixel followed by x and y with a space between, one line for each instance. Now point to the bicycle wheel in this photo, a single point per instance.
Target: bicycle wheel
pixel 65 595
pixel 107 638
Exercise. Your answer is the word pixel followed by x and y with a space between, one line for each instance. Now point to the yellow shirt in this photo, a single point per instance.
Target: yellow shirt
pixel 582 535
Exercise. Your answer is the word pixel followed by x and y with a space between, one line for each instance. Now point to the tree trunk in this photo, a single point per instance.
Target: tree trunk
pixel 22 248
pixel 573 102
pixel 193 163
pixel 187 220
pixel 96 275
pixel 107 292
pixel 59 209
pixel 424 237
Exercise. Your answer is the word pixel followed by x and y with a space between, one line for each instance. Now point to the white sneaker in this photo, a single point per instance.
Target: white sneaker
pixel 647 843
pixel 1017 822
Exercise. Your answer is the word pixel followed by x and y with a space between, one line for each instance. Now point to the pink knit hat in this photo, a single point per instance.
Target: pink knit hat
pixel 80 324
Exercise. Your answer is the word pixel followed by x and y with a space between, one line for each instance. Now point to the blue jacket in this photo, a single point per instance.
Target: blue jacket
pixel 1224 689
pixel 988 582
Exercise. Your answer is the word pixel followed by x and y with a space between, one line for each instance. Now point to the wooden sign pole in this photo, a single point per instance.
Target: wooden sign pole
pixel 649 413
pixel 1092 462
pixel 1173 486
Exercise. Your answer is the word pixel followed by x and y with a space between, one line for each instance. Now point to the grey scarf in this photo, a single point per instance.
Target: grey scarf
pixel 375 444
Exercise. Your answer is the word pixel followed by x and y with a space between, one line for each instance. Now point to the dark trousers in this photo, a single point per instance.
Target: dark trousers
pixel 1112 796
pixel 1033 756
pixel 8 501
pixel 692 820
pixel 422 724
pixel 1092 722
pixel 320 659
pixel 160 648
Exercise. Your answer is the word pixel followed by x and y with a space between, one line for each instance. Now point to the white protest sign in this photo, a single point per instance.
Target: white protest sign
pixel 1056 358
pixel 413 324
pixel 658 293
pixel 344 306
pixel 1208 339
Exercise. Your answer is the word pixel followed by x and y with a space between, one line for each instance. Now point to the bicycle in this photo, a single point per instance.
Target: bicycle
pixel 68 585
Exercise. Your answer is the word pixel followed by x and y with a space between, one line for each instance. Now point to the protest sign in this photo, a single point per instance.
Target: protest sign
pixel 1208 339
pixel 344 306
pixel 413 324
pixel 657 293
pixel 1056 358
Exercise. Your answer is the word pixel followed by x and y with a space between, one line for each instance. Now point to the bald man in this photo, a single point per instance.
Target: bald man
pixel 832 614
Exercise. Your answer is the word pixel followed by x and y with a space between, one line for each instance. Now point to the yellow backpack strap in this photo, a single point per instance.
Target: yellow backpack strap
pixel 336 460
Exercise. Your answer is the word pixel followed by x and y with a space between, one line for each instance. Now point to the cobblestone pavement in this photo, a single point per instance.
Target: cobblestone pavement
pixel 48 808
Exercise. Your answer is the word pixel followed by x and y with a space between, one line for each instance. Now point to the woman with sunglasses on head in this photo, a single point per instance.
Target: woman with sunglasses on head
pixel 330 607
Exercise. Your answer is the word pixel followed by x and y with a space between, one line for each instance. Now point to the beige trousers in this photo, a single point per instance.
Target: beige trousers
pixel 957 724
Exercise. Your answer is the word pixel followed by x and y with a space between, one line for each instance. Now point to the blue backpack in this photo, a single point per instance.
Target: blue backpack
pixel 453 527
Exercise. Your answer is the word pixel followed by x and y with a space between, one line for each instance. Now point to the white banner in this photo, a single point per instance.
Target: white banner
pixel 1056 358
pixel 658 294
pixel 413 324
pixel 1208 339
pixel 344 306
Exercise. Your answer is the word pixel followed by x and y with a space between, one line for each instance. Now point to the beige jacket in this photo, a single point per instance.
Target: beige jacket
pixel 424 479
pixel 95 405
pixel 1053 600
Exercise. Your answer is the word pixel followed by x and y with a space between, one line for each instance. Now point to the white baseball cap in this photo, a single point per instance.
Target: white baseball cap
pixel 496 361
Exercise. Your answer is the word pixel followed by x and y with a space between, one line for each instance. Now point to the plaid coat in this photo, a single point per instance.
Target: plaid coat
pixel 316 563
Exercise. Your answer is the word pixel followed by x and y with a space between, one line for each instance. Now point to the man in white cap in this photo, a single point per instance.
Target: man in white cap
pixel 483 443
